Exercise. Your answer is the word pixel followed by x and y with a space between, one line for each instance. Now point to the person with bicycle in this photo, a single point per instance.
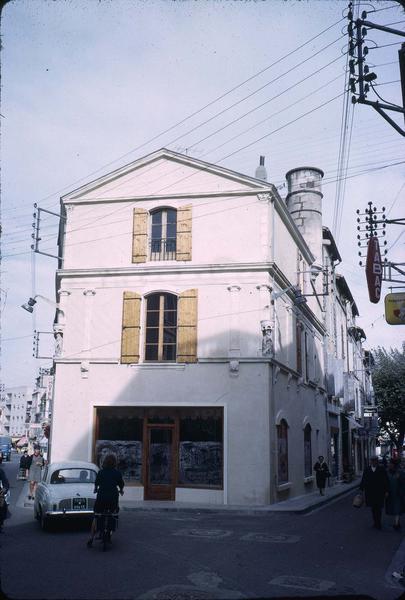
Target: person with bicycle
pixel 108 485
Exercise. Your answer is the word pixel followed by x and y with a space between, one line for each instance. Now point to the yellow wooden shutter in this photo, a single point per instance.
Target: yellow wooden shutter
pixel 183 246
pixel 140 235
pixel 131 325
pixel 187 326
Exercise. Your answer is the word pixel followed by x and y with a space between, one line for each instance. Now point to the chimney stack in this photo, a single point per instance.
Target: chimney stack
pixel 261 172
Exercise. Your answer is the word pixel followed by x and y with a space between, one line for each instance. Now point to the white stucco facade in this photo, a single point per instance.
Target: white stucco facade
pixel 259 359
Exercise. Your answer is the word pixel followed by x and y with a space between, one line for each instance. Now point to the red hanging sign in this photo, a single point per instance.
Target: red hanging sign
pixel 374 270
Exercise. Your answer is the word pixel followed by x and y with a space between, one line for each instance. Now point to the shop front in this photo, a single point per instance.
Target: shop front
pixel 163 449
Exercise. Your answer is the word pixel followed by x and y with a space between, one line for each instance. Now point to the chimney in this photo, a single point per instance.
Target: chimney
pixel 304 202
pixel 261 172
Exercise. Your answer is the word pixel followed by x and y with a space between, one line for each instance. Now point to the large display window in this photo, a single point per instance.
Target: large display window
pixel 187 442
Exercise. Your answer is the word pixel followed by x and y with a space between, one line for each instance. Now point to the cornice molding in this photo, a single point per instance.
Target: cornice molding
pixel 167 269
pixel 151 198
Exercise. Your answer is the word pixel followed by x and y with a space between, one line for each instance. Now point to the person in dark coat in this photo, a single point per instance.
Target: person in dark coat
pixel 25 463
pixel 394 503
pixel 108 484
pixel 375 486
pixel 322 473
pixel 4 487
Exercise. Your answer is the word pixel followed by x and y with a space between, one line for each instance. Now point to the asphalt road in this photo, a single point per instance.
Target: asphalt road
pixel 332 551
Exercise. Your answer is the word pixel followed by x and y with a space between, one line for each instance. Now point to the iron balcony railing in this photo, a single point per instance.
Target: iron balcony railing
pixel 163 249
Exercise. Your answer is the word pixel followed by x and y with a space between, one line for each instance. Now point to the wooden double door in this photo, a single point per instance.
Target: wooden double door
pixel 160 461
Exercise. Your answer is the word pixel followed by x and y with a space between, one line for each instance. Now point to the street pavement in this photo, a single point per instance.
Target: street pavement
pixel 194 554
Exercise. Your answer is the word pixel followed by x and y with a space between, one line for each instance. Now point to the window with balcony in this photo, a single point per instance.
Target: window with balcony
pixel 163 234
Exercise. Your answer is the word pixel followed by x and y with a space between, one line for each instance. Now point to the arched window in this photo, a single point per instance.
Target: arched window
pixel 307 450
pixel 282 451
pixel 161 327
pixel 163 234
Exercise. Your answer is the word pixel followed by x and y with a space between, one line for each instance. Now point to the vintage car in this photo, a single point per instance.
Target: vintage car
pixel 66 490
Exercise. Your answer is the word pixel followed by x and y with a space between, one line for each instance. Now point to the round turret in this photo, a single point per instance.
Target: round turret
pixel 304 202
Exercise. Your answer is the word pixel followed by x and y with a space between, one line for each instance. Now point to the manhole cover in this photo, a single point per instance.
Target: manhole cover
pixel 204 533
pixel 186 592
pixel 274 539
pixel 304 583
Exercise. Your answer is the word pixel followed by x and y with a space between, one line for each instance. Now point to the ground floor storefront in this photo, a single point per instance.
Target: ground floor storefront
pixel 162 450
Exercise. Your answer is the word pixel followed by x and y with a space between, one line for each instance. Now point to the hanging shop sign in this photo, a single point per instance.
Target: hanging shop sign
pixel 395 308
pixel 374 270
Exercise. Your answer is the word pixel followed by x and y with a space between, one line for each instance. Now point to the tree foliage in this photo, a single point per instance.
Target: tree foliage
pixel 389 387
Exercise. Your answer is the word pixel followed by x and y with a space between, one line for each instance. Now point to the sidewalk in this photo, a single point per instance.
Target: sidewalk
pixel 299 505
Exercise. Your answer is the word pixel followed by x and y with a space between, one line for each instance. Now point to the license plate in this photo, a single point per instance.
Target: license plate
pixel 79 503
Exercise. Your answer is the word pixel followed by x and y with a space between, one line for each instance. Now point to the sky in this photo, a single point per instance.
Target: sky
pixel 89 86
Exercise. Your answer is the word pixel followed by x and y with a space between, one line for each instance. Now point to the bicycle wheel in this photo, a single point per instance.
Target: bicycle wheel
pixel 105 539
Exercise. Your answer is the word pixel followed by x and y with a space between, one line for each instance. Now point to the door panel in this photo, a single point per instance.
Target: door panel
pixel 160 464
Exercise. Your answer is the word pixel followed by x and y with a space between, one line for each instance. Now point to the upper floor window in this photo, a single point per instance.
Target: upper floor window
pixel 161 327
pixel 170 327
pixel 163 234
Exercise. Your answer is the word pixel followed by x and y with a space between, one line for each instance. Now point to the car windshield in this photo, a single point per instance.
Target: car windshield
pixel 73 476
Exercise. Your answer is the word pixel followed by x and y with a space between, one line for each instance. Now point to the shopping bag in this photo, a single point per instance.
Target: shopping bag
pixel 358 501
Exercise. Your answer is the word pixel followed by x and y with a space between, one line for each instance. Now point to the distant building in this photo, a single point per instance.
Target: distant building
pixel 14 403
pixel 39 413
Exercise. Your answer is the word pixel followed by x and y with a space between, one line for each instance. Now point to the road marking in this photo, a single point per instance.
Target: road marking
pixel 188 592
pixel 271 538
pixel 304 583
pixel 204 533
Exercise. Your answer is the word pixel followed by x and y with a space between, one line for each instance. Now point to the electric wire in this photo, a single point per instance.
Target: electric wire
pixel 212 102
pixel 395 199
pixel 385 8
pixel 324 182
pixel 380 97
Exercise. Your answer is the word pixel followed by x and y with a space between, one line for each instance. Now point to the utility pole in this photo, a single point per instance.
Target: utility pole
pixel 401 58
pixel 357 31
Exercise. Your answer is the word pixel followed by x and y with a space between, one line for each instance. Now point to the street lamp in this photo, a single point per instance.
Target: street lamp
pixel 29 305
pixel 298 296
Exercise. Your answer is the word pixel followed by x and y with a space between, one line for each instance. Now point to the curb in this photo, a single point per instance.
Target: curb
pixel 240 510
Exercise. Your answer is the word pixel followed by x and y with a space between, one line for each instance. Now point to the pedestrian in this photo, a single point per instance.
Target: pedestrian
pixel 375 486
pixel 322 473
pixel 108 482
pixel 24 465
pixel 4 488
pixel 394 503
pixel 36 462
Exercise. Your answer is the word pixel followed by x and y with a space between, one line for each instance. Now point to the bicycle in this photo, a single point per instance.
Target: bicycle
pixel 106 524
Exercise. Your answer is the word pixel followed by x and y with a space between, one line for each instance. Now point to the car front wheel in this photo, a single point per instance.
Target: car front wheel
pixel 43 520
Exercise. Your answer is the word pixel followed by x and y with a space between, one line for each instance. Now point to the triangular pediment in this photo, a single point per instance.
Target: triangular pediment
pixel 165 173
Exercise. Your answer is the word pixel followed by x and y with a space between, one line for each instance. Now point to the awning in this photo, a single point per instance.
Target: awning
pixel 22 441
pixel 353 423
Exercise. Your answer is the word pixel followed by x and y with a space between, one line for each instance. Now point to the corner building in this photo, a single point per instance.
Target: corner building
pixel 191 332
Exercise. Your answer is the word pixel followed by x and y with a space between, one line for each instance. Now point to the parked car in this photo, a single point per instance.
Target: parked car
pixel 5 447
pixel 66 490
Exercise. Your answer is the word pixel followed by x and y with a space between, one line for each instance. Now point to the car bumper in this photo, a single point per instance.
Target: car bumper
pixel 69 513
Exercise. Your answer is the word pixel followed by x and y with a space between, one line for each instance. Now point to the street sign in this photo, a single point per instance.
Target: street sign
pixel 374 270
pixel 395 308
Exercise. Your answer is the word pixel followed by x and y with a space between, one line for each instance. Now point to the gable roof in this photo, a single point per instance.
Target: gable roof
pixel 244 181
